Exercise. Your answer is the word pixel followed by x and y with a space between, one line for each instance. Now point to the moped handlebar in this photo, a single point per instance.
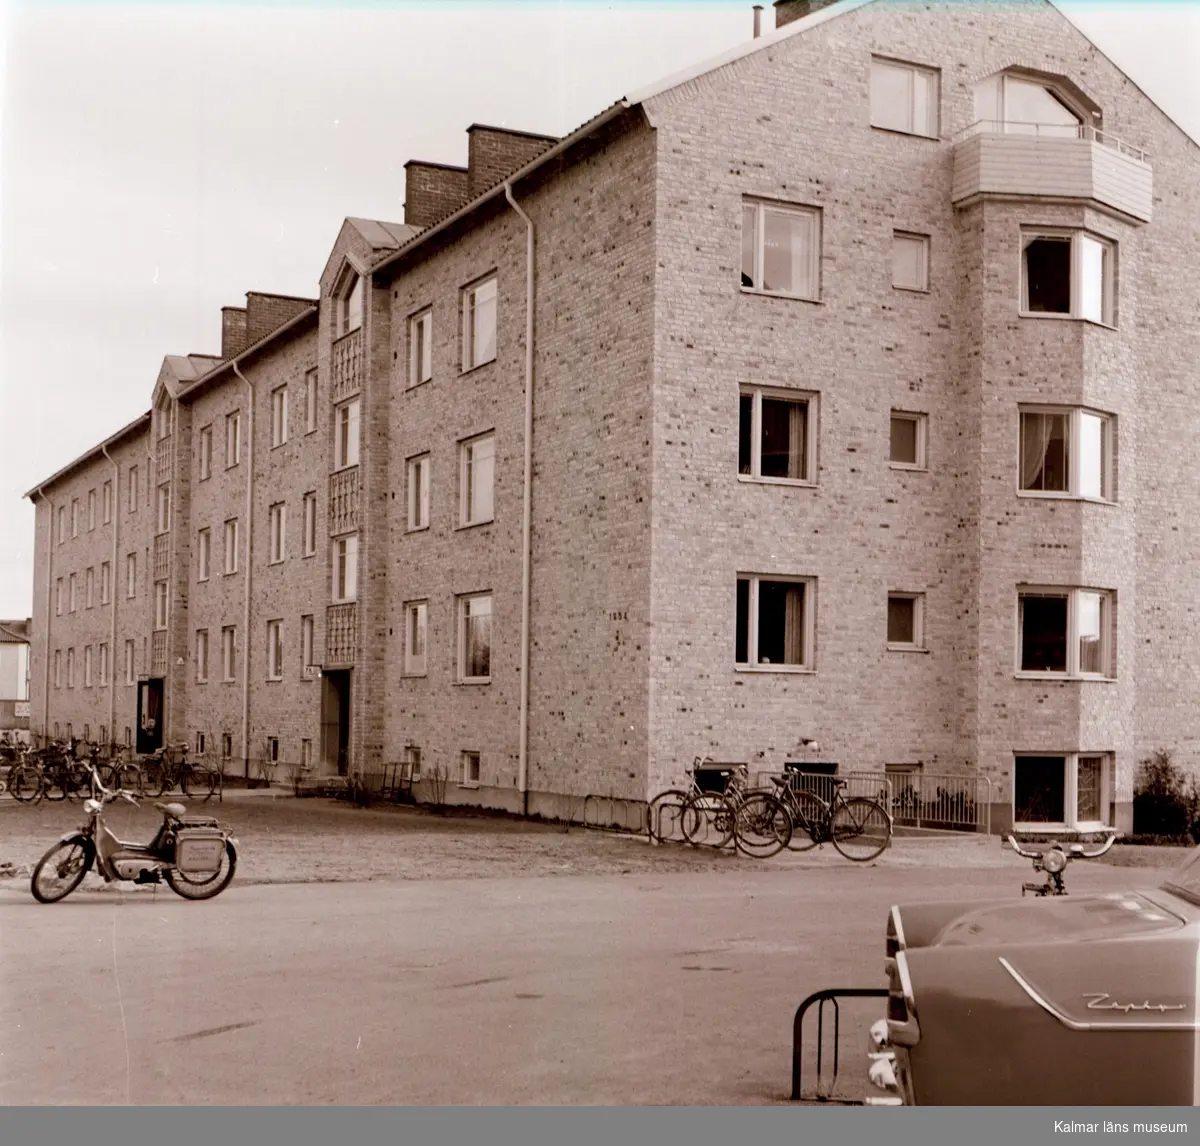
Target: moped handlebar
pixel 1071 851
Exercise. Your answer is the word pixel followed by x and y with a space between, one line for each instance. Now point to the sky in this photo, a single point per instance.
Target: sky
pixel 158 160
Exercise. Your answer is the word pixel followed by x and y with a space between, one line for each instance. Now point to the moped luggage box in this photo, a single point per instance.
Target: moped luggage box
pixel 199 850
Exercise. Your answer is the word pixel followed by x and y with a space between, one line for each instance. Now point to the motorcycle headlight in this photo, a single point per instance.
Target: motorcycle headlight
pixel 91 807
pixel 1054 861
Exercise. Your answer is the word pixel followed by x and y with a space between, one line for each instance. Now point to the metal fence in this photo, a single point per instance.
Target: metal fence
pixel 872 785
pixel 943 801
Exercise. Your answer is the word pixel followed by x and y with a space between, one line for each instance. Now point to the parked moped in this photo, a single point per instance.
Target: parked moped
pixel 195 855
pixel 1053 860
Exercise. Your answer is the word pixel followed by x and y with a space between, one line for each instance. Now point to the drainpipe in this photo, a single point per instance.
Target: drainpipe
pixel 527 509
pixel 249 570
pixel 49 608
pixel 112 593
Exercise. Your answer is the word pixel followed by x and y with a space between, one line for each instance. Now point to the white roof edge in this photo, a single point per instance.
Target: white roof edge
pixel 766 40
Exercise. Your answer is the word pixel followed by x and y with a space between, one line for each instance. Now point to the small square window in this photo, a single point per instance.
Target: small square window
pixel 910 261
pixel 905 621
pixel 777 435
pixel 781 249
pixel 904 97
pixel 907 445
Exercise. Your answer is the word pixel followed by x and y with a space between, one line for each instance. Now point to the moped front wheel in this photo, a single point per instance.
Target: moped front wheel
pixel 61 870
pixel 208 884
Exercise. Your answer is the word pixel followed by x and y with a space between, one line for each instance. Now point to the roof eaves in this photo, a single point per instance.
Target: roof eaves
pixel 95 451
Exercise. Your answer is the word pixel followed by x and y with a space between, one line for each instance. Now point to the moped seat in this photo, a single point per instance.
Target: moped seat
pixel 175 811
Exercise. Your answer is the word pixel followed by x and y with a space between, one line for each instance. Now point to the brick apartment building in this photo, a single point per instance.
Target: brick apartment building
pixel 841 388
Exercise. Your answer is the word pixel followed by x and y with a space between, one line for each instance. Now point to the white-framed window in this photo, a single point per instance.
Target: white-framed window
pixel 345 435
pixel 1071 790
pixel 777 435
pixel 91 509
pixel 781 249
pixel 204 447
pixel 273 749
pixel 231 545
pixel 1023 105
pixel 479 323
pixel 229 653
pixel 163 520
pixel 906 621
pixel 412 757
pixel 775 622
pixel 418 492
pixel 420 347
pixel 70 668
pixel 103 670
pixel 348 305
pixel 1068 274
pixel 1066 452
pixel 132 505
pixel 306 643
pixel 278 525
pixel 62 524
pixel 475 638
pixel 345 568
pixel 274 650
pixel 279 416
pixel 89 587
pixel 310 523
pixel 904 97
pixel 130 662
pixel 233 439
pixel 910 261
pixel 201 743
pixel 73 589
pixel 87 666
pixel 201 656
pixel 74 517
pixel 226 745
pixel 470 770
pixel 58 597
pixel 310 401
pixel 58 668
pixel 105 582
pixel 476 478
pixel 203 554
pixel 907 440
pixel 415 614
pixel 106 501
pixel 1065 632
pixel 161 600
pixel 306 754
pixel 131 575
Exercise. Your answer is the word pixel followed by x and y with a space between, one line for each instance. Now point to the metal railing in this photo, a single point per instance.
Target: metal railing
pixel 944 801
pixel 343 501
pixel 347 365
pixel 1053 131
pixel 872 785
pixel 341 634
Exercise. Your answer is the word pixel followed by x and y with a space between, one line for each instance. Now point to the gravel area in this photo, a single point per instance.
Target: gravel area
pixel 315 840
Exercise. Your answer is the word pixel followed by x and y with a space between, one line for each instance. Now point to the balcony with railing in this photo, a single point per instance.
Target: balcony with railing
pixel 158 653
pixel 162 460
pixel 341 634
pixel 343 501
pixel 1052 160
pixel 347 365
pixel 162 556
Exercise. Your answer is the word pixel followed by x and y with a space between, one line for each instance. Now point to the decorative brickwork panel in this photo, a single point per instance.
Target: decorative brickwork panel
pixel 162 556
pixel 158 654
pixel 341 631
pixel 343 502
pixel 347 365
pixel 162 460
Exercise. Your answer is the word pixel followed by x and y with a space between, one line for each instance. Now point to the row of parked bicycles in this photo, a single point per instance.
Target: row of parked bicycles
pixel 61 770
pixel 720 806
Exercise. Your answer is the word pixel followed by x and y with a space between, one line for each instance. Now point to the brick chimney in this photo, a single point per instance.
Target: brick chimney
pixel 494 152
pixel 788 10
pixel 233 331
pixel 432 191
pixel 266 312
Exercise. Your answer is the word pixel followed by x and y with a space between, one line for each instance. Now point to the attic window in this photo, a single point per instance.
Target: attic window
pixel 1025 106
pixel 349 305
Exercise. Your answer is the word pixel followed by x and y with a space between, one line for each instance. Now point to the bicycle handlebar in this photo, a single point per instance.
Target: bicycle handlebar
pixel 1071 851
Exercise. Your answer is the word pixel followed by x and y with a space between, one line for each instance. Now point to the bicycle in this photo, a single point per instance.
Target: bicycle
pixel 120 773
pixel 162 774
pixel 755 820
pixel 50 773
pixel 859 827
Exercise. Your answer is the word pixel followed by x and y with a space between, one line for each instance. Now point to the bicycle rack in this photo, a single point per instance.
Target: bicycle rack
pixel 830 995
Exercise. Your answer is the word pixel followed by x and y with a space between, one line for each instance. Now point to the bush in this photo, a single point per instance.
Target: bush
pixel 1166 801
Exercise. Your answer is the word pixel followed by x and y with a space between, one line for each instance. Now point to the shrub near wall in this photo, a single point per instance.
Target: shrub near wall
pixel 1166 803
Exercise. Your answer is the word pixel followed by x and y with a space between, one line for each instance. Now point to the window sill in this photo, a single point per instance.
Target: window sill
pixel 426 381
pixel 791 670
pixel 474 681
pixel 897 648
pixel 417 529
pixel 1029 675
pixel 907 134
pixel 1054 316
pixel 468 784
pixel 274 679
pixel 472 524
pixel 911 290
pixel 780 294
pixel 275 561
pixel 751 479
pixel 909 467
pixel 478 366
pixel 305 556
pixel 1059 495
pixel 278 445
pixel 413 675
pixel 343 468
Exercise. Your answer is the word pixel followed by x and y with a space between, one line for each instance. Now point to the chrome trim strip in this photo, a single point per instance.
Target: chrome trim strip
pixel 1076 1025
pixel 899 927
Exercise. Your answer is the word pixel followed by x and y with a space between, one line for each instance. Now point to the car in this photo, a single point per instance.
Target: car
pixel 1053 1000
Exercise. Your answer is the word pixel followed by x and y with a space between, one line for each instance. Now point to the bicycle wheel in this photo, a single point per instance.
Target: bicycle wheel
pixel 809 820
pixel 199 783
pixel 126 776
pixel 55 783
pixel 707 819
pixel 762 826
pixel 664 813
pixel 158 778
pixel 25 784
pixel 860 829
pixel 61 870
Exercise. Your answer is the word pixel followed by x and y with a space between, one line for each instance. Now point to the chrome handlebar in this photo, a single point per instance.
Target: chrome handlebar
pixel 1070 851
pixel 108 795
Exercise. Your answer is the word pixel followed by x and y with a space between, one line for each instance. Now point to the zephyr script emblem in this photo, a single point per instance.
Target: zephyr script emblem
pixel 1099 1003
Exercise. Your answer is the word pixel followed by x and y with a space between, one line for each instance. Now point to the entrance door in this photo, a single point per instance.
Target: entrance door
pixel 150 716
pixel 335 721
